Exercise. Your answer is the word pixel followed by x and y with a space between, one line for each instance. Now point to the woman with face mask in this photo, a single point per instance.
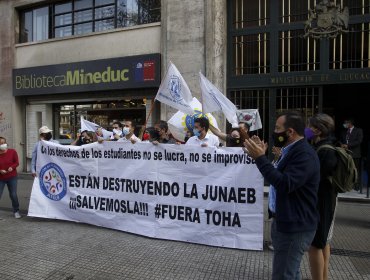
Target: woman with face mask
pixel 319 132
pixel 8 174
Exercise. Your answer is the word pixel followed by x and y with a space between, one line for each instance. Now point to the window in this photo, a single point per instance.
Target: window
pixel 77 17
pixel 251 13
pixel 351 49
pixel 251 54
pixel 297 53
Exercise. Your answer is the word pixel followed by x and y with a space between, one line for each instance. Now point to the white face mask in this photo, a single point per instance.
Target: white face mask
pixel 3 147
pixel 125 131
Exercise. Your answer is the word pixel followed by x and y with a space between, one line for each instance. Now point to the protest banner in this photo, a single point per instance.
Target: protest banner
pixel 211 196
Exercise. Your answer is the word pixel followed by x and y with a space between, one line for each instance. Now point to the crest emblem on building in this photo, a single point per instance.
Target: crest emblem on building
pixel 174 86
pixel 326 20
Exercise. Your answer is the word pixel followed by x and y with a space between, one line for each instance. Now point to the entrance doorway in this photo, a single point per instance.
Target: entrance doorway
pixel 344 101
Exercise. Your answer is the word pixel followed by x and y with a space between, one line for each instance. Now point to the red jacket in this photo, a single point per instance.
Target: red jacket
pixel 9 159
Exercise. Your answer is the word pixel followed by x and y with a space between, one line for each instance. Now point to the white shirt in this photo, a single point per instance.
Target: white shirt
pixel 133 137
pixel 210 140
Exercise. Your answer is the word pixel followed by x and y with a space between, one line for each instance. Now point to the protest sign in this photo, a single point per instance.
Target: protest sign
pixel 206 195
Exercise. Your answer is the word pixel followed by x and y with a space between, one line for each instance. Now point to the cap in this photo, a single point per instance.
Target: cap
pixel 44 129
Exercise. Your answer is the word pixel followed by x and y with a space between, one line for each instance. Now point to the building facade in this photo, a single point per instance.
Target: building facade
pixel 99 59
pixel 104 60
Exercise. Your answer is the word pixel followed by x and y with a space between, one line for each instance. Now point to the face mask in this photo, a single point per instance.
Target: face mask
pixel 196 132
pixel 345 125
pixel 125 131
pixel 146 136
pixel 48 136
pixel 280 138
pixel 117 132
pixel 308 133
pixel 3 147
pixel 234 142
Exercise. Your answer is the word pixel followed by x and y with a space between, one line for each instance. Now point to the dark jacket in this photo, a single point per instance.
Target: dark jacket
pixel 354 141
pixel 296 180
pixel 327 194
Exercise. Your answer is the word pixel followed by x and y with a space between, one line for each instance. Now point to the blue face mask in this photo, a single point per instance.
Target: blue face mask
pixel 308 133
pixel 196 132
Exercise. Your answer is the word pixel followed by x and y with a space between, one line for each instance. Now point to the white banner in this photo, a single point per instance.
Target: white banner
pixel 202 195
pixel 174 91
pixel 250 116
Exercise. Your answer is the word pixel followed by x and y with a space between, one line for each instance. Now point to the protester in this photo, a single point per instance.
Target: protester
pixel 117 131
pixel 351 139
pixel 46 135
pixel 235 138
pixel 201 136
pixel 321 127
pixel 82 138
pixel 128 132
pixel 189 133
pixel 162 129
pixel 296 181
pixel 8 174
pixel 150 135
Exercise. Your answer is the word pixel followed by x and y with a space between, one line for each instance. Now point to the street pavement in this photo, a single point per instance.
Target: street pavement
pixel 34 248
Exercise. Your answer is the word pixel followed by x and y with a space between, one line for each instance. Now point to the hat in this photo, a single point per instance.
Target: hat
pixel 44 129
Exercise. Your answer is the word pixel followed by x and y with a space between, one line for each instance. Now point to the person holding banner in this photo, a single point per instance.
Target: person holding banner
pixel 296 181
pixel 8 174
pixel 236 137
pixel 128 132
pixel 46 135
pixel 201 136
pixel 162 130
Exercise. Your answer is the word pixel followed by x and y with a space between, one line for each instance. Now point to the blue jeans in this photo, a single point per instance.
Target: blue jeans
pixel 289 248
pixel 12 188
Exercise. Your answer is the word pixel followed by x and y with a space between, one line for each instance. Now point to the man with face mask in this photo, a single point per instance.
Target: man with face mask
pixel 351 139
pixel 201 136
pixel 296 180
pixel 128 133
pixel 45 134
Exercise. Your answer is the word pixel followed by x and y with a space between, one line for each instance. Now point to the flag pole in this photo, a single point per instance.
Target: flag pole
pixel 147 118
pixel 201 94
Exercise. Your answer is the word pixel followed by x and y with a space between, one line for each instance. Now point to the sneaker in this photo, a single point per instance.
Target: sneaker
pixel 271 247
pixel 17 215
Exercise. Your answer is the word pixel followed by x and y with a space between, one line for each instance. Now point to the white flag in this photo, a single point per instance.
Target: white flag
pixel 90 126
pixel 180 122
pixel 174 91
pixel 213 100
pixel 251 117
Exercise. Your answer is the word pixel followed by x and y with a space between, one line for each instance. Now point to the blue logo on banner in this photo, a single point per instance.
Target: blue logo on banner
pixel 53 183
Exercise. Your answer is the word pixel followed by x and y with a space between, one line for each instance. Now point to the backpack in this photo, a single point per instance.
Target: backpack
pixel 345 174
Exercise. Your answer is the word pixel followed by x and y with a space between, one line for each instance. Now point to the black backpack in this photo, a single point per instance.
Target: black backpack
pixel 345 174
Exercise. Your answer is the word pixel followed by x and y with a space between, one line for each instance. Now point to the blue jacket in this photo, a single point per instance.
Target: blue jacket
pixel 296 180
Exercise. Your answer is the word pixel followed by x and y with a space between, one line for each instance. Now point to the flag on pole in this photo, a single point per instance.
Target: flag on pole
pixel 213 100
pixel 90 126
pixel 174 91
pixel 181 122
pixel 251 117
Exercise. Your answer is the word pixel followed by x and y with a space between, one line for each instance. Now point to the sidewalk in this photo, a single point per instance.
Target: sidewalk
pixel 352 196
pixel 38 249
